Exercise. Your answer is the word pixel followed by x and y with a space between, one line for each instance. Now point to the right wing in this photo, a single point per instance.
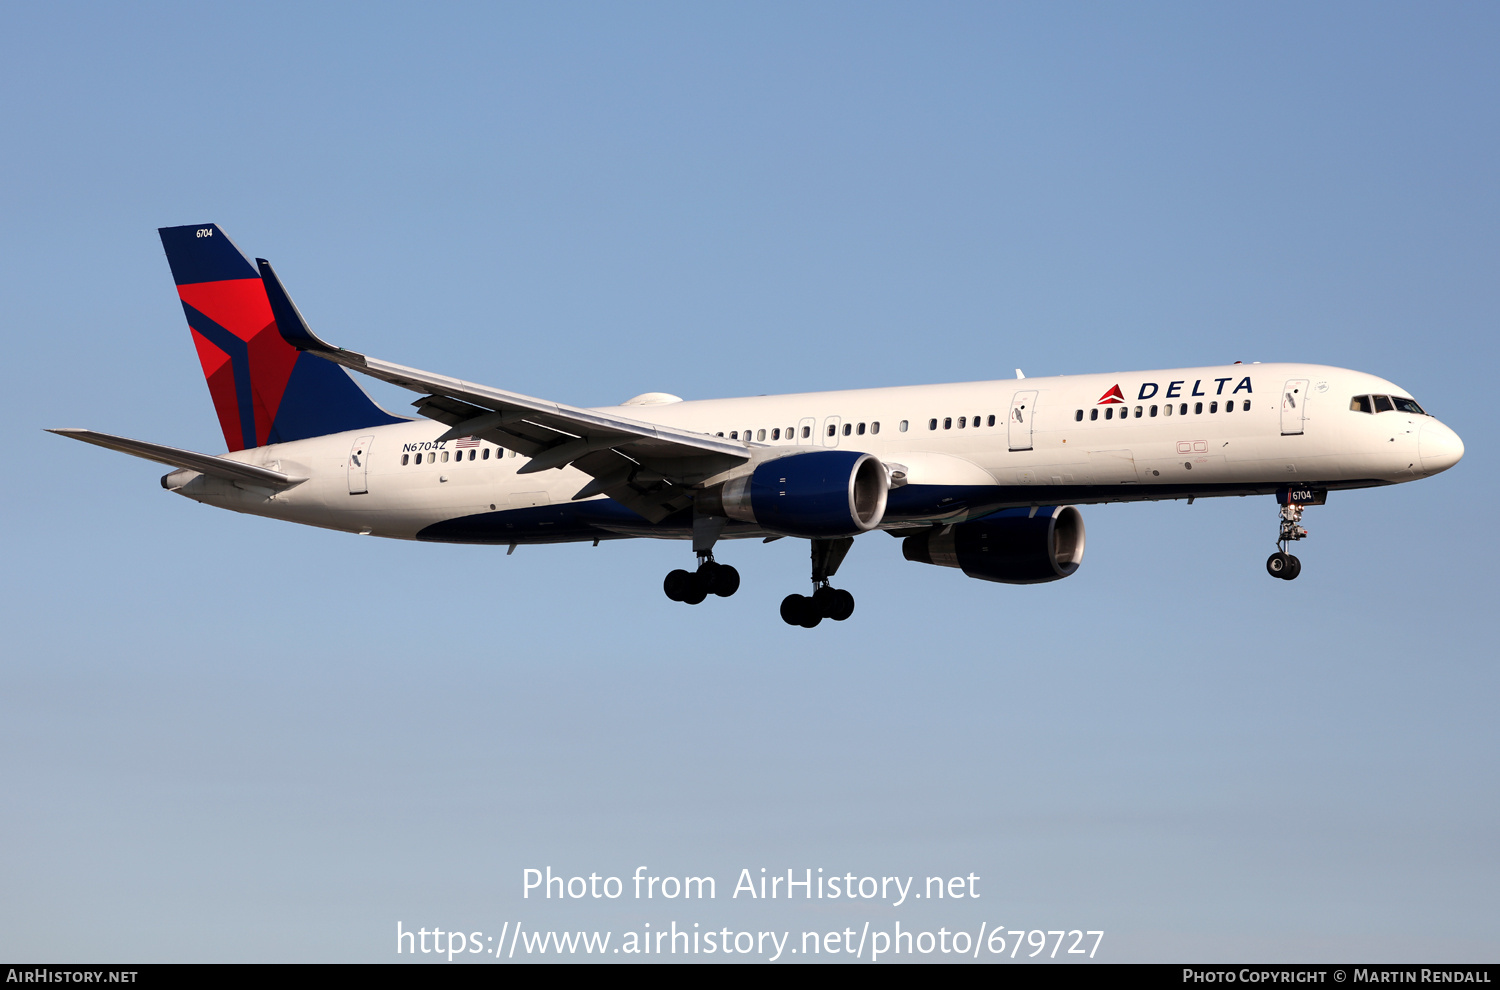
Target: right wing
pixel 647 467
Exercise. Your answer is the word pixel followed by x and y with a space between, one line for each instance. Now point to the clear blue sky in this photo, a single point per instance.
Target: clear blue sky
pixel 223 738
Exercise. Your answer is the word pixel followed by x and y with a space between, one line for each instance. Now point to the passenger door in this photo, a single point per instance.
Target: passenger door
pixel 1293 406
pixel 1022 408
pixel 359 465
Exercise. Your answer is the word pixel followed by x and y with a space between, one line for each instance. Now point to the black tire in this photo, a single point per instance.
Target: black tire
pixel 676 584
pixel 1293 568
pixel 696 589
pixel 791 610
pixel 726 580
pixel 810 616
pixel 1277 563
pixel 825 602
pixel 843 606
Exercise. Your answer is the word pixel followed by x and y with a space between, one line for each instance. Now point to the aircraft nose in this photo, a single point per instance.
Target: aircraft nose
pixel 1439 447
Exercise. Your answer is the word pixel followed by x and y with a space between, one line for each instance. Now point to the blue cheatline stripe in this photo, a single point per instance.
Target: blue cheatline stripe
pixel 239 363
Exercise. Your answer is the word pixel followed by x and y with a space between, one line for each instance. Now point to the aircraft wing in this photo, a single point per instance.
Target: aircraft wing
pixel 209 464
pixel 647 467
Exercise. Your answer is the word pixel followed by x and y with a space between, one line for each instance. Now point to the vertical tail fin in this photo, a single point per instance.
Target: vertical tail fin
pixel 264 390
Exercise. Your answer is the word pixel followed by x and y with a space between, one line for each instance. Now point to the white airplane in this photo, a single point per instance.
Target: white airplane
pixel 982 476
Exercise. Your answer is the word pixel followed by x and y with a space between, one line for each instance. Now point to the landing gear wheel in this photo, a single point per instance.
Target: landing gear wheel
pixel 696 589
pixel 677 584
pixel 843 606
pixel 824 600
pixel 723 580
pixel 1293 568
pixel 797 610
pixel 1277 564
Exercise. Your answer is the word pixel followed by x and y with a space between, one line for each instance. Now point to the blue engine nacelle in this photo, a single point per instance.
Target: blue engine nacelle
pixel 820 493
pixel 1011 546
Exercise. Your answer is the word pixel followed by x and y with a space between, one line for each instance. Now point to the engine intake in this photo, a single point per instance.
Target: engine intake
pixel 1011 546
pixel 820 493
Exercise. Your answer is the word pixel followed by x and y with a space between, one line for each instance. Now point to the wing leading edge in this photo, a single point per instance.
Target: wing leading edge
pixel 647 467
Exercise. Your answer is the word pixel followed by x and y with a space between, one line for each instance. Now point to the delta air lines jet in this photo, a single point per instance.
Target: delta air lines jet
pixel 981 476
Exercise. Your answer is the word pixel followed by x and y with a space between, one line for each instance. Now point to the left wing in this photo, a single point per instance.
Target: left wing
pixel 647 467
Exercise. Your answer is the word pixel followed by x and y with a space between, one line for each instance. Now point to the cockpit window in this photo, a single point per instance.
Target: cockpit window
pixel 1408 406
pixel 1383 403
pixel 1361 403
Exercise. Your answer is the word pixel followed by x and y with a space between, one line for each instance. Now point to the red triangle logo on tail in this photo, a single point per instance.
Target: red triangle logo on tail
pixel 1113 395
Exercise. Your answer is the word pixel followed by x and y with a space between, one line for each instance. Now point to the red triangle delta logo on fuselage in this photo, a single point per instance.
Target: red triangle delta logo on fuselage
pixel 1113 395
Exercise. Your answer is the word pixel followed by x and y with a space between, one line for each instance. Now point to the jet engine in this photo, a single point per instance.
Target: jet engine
pixel 1012 546
pixel 820 493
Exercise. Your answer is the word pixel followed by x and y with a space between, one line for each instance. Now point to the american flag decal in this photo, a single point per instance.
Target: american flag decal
pixel 467 442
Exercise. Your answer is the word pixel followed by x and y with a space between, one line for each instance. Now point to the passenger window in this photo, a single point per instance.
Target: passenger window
pixel 1109 412
pixel 1383 404
pixel 405 459
pixel 1078 416
pixel 734 434
pixel 932 424
pixel 832 430
pixel 776 434
pixel 806 432
pixel 948 422
pixel 962 421
pixel 1213 407
pixel 761 435
pixel 875 427
pixel 1093 414
pixel 992 419
pixel 1229 406
pixel 1166 410
pixel 848 428
pixel 1153 412
pixel 901 426
pixel 861 430
pixel 1197 409
pixel 486 455
pixel 473 454
pixel 1361 403
pixel 445 457
pixel 1182 409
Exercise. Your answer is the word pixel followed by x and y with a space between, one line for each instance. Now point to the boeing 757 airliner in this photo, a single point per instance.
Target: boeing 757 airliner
pixel 981 476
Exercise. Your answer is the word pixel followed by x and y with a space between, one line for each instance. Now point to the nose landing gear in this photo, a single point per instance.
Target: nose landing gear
pixel 1282 564
pixel 826 601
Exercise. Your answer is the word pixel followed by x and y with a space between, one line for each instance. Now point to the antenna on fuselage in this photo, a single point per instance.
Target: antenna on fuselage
pixel 1020 373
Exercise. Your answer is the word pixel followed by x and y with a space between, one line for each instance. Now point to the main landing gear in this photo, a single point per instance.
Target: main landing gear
pixel 1282 564
pixel 711 578
pixel 826 601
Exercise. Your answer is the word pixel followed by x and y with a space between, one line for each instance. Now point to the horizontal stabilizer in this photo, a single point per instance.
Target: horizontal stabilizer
pixel 209 464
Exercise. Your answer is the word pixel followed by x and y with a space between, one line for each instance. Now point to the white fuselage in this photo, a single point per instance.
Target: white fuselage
pixel 955 452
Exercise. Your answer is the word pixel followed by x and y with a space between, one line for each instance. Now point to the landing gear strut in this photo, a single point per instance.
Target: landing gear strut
pixel 1282 564
pixel 826 601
